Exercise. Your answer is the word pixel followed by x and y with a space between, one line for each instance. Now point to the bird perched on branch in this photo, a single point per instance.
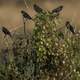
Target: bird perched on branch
pixel 58 9
pixel 37 8
pixel 70 27
pixel 26 15
pixel 6 31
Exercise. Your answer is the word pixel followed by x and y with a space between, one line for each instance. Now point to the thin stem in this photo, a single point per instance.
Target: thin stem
pixel 25 4
pixel 24 26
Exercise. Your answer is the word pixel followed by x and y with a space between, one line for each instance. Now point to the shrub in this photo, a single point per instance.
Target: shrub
pixel 53 50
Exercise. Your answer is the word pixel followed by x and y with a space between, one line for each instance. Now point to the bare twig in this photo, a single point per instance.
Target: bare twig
pixel 25 4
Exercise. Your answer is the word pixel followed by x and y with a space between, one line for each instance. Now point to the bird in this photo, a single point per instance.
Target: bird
pixel 26 15
pixel 58 9
pixel 6 31
pixel 70 27
pixel 38 9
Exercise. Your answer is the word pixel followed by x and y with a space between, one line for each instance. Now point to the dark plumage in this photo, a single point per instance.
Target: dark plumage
pixel 25 15
pixel 6 31
pixel 37 8
pixel 58 9
pixel 70 27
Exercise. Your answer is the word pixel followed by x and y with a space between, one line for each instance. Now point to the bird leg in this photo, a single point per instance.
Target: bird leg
pixel 24 26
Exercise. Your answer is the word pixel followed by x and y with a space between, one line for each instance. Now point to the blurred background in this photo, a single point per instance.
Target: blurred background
pixel 10 15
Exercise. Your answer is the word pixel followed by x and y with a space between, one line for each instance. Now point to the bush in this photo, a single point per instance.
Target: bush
pixel 54 51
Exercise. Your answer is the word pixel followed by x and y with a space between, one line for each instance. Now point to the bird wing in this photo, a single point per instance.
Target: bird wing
pixel 6 31
pixel 37 8
pixel 58 9
pixel 26 15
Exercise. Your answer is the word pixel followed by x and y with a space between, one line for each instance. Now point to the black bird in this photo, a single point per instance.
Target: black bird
pixel 70 27
pixel 26 15
pixel 6 31
pixel 58 9
pixel 37 8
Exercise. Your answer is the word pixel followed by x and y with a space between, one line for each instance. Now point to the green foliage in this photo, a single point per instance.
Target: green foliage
pixel 55 52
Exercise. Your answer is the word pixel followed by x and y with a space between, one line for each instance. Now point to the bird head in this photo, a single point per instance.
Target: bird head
pixel 22 11
pixel 67 23
pixel 61 6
